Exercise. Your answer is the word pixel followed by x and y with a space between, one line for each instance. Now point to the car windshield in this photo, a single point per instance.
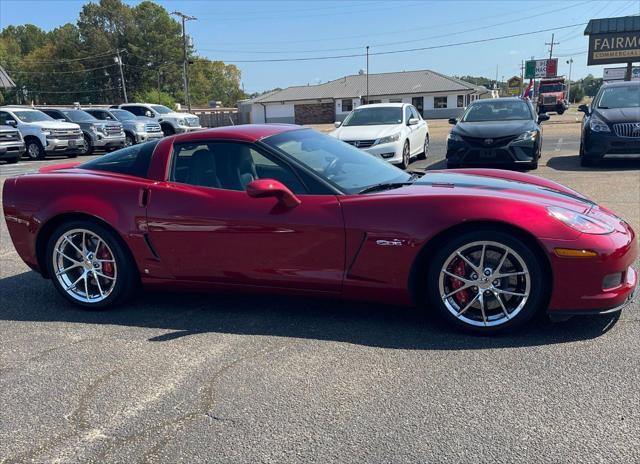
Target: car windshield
pixel 374 116
pixel 161 109
pixel 32 116
pixel 123 115
pixel 78 115
pixel 497 110
pixel 546 88
pixel 344 166
pixel 627 96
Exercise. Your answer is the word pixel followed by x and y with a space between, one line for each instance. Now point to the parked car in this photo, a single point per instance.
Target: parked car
pixel 104 135
pixel 137 129
pixel 280 208
pixel 394 132
pixel 42 134
pixel 496 131
pixel 170 121
pixel 11 144
pixel 611 126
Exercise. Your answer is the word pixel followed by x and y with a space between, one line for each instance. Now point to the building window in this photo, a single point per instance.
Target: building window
pixel 439 102
pixel 460 101
pixel 347 105
pixel 395 100
pixel 418 102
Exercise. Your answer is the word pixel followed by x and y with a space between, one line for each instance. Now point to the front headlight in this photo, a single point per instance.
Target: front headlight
pixel 527 136
pixel 598 125
pixel 140 127
pixel 182 122
pixel 580 222
pixel 454 138
pixel 389 138
pixel 46 132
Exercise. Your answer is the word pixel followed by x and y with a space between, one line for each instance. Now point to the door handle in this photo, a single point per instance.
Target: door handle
pixel 143 197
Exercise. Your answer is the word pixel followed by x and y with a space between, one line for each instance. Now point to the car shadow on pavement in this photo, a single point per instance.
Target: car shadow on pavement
pixel 27 297
pixel 572 163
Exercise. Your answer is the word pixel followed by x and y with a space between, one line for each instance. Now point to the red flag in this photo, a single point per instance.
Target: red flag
pixel 527 92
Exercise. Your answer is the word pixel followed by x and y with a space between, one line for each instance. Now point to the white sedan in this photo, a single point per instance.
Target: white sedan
pixel 394 132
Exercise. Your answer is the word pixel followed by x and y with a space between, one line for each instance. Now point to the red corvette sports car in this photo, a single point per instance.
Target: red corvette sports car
pixel 281 208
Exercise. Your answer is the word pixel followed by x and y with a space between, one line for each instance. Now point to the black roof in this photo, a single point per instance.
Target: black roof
pixel 608 25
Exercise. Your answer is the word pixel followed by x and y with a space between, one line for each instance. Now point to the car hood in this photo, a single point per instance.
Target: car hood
pixel 614 115
pixel 144 119
pixel 365 132
pixel 493 129
pixel 485 182
pixel 175 115
pixel 54 125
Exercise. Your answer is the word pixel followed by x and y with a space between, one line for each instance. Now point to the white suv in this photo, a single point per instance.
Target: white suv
pixel 171 121
pixel 42 134
pixel 392 131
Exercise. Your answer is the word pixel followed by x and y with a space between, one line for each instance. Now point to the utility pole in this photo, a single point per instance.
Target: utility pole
pixel 367 74
pixel 552 43
pixel 570 63
pixel 118 60
pixel 185 63
pixel 521 76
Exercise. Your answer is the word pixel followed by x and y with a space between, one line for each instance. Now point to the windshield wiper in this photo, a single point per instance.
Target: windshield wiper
pixel 384 186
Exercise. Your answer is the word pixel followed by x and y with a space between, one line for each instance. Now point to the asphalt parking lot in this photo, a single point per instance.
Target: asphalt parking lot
pixel 237 378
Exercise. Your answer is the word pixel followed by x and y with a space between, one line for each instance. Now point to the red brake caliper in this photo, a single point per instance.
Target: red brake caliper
pixel 107 268
pixel 462 297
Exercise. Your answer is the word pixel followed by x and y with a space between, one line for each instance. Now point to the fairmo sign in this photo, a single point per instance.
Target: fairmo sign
pixel 617 47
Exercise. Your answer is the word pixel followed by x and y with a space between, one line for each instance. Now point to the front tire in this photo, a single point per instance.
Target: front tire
pixel 89 265
pixel 129 140
pixel 88 146
pixel 486 281
pixel 167 130
pixel 584 161
pixel 406 156
pixel 35 150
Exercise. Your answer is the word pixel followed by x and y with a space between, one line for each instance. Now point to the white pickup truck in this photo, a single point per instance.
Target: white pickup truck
pixel 42 134
pixel 170 121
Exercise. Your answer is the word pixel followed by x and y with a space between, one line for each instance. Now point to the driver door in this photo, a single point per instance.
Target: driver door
pixel 205 227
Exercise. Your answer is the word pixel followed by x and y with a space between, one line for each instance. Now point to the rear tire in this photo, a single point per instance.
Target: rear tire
pixel 406 156
pixel 425 149
pixel 97 258
pixel 473 303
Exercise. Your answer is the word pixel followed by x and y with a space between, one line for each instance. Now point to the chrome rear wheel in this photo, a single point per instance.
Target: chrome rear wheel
pixel 84 266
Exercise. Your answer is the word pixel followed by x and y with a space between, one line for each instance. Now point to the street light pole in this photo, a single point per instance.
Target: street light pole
pixel 570 63
pixel 367 74
pixel 185 62
pixel 124 86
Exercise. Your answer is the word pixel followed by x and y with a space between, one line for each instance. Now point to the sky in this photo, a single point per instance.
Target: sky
pixel 240 31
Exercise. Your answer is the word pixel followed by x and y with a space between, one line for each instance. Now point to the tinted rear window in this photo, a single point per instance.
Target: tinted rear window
pixel 133 160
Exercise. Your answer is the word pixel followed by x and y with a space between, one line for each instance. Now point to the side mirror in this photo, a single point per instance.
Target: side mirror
pixel 413 121
pixel 148 114
pixel 543 117
pixel 453 121
pixel 264 188
pixel 12 122
pixel 337 124
pixel 584 109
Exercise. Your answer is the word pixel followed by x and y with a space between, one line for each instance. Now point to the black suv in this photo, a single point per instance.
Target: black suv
pixel 496 131
pixel 611 126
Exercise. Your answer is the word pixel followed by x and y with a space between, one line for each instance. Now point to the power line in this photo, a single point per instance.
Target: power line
pixel 523 18
pixel 407 50
pixel 72 91
pixel 69 60
pixel 84 70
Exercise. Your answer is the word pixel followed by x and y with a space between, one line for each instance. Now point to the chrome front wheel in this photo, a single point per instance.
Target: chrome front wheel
pixel 85 266
pixel 484 283
pixel 487 281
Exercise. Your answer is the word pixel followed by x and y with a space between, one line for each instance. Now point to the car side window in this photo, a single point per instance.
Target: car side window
pixel 229 166
pixel 137 110
pixel 3 118
pixel 415 114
